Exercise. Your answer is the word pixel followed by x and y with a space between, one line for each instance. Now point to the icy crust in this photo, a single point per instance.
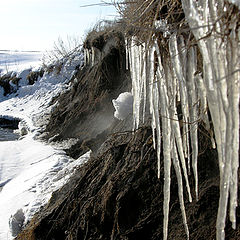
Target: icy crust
pixel 158 86
pixel 30 170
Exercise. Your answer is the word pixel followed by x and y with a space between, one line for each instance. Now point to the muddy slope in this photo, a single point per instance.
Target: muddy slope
pixel 86 111
pixel 117 195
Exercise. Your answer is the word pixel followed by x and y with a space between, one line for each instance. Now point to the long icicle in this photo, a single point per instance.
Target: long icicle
pixel 232 58
pixel 180 186
pixel 175 126
pixel 193 116
pixel 166 132
pixel 219 86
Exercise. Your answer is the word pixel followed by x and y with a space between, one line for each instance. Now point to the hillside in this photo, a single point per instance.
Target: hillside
pixel 170 169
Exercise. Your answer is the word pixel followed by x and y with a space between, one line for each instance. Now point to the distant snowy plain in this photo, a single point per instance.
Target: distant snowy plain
pixel 30 170
pixel 18 60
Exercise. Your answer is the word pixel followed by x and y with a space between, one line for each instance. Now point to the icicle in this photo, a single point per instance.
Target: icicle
pixel 127 54
pixel 172 94
pixel 135 86
pixel 233 85
pixel 166 136
pixel 145 80
pixel 202 96
pixel 180 186
pixel 137 66
pixel 179 71
pixel 93 56
pixel 178 138
pixel 220 61
pixel 193 116
pixel 151 94
pixel 166 128
pixel 157 121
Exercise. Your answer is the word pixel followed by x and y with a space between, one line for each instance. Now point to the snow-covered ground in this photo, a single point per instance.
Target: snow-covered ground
pixel 30 170
pixel 18 60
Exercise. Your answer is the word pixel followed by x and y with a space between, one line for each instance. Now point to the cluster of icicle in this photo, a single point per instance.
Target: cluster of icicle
pixel 91 56
pixel 158 84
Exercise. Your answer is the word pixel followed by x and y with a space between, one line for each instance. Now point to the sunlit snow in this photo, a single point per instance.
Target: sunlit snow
pixel 123 105
pixel 18 61
pixel 30 170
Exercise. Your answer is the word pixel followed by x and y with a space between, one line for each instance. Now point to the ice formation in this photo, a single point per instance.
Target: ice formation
pixel 159 85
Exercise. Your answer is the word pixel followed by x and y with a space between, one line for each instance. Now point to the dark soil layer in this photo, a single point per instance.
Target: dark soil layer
pixel 116 195
pixel 86 111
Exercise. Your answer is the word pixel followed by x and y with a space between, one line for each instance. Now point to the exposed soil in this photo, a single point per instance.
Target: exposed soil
pixel 86 111
pixel 116 195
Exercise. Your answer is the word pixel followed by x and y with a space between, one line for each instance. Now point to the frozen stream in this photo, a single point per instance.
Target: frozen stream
pixel 7 135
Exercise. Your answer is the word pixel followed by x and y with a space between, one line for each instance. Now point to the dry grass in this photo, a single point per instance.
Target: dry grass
pixel 139 17
pixel 100 33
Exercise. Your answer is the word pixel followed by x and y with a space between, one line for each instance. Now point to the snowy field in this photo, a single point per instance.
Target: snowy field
pixel 30 170
pixel 18 61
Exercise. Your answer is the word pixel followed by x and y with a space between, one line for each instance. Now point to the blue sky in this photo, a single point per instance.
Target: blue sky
pixel 37 24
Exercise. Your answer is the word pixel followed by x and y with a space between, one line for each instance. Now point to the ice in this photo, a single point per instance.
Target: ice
pixel 216 90
pixel 221 80
pixel 180 186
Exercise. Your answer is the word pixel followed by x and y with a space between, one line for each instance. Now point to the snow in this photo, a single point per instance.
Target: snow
pixel 123 105
pixel 19 60
pixel 30 170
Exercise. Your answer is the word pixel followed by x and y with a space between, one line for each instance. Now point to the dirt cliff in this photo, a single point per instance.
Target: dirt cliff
pixel 116 194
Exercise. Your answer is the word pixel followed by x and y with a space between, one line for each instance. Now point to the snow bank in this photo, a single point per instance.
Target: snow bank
pixel 31 170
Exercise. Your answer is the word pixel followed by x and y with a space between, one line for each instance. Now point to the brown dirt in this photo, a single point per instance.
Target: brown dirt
pixel 117 195
pixel 86 111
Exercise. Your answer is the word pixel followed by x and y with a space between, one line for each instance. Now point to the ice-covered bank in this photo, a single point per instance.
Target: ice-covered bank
pixel 30 170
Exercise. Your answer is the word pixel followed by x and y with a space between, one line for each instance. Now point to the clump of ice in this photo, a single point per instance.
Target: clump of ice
pixel 123 105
